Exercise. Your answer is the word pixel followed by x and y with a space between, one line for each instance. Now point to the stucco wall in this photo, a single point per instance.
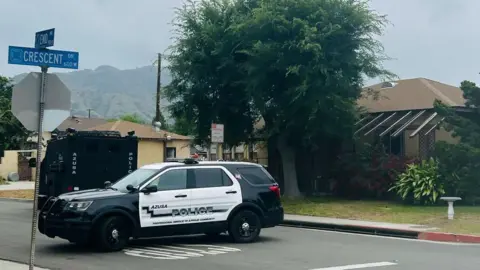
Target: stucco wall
pixel 410 144
pixel 152 151
pixel 9 163
pixel 443 135
pixel 149 152
pixel 183 148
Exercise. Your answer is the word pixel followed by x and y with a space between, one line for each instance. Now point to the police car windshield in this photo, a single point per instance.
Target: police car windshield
pixel 135 178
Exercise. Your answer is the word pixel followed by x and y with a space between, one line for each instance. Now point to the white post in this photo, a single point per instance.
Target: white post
pixel 451 212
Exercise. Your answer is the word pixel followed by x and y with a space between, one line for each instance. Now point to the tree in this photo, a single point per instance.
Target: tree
pixel 134 118
pixel 299 64
pixel 460 163
pixel 206 84
pixel 12 133
pixel 182 126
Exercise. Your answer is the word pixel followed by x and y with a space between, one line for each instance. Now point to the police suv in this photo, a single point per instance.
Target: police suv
pixel 165 199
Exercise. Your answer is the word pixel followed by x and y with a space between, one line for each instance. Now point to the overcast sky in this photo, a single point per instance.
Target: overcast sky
pixel 435 39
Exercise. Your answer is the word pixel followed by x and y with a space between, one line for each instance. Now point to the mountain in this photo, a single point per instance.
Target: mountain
pixel 110 92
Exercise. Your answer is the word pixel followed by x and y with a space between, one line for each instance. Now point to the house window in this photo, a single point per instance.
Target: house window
pixel 171 152
pixel 392 145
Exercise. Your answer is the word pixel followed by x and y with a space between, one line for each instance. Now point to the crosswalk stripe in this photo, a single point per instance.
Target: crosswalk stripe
pixel 177 252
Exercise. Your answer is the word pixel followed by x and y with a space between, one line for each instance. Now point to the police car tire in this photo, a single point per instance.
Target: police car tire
pixel 236 222
pixel 104 232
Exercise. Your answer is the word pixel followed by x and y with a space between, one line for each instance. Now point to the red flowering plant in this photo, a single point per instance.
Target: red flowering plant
pixel 368 173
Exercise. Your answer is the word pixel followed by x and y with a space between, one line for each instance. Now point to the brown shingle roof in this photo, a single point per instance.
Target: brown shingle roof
pixel 412 94
pixel 80 123
pixel 141 131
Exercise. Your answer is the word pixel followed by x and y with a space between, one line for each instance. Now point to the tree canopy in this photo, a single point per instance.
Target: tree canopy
pixel 130 117
pixel 460 163
pixel 297 64
pixel 12 133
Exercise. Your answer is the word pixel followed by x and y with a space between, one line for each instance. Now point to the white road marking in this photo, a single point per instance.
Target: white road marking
pixel 177 252
pixel 357 266
pixel 388 237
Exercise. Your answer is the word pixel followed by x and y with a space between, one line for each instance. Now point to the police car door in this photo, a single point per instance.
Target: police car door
pixel 214 194
pixel 159 208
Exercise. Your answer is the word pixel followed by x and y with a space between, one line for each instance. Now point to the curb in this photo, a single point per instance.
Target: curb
pixel 15 200
pixel 449 237
pixel 382 231
pixel 353 229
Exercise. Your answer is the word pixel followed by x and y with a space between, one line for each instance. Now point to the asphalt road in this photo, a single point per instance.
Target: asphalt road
pixel 280 248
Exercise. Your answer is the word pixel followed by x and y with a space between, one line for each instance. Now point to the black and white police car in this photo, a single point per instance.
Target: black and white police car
pixel 166 199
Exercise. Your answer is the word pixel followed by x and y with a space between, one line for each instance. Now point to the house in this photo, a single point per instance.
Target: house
pixel 154 145
pixel 255 152
pixel 77 123
pixel 400 114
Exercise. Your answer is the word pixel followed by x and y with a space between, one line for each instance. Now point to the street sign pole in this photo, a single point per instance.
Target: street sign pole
pixel 58 98
pixel 41 110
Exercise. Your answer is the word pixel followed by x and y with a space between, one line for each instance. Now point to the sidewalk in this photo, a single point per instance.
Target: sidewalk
pixel 7 265
pixel 20 185
pixel 377 228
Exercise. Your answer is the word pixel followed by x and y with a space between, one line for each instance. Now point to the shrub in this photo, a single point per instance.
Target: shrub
pixel 368 173
pixel 420 183
pixel 3 181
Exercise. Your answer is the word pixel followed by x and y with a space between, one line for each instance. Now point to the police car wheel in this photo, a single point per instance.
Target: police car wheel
pixel 113 233
pixel 245 227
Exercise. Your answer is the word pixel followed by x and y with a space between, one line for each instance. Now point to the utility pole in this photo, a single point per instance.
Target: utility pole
pixel 159 85
pixel 89 110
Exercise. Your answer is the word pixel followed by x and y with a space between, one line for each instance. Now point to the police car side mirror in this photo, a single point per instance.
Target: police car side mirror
pixel 150 189
pixel 130 188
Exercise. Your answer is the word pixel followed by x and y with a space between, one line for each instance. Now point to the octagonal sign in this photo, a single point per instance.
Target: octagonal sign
pixel 26 101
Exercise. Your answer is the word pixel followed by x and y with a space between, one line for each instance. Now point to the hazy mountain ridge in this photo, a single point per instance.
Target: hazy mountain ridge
pixel 111 92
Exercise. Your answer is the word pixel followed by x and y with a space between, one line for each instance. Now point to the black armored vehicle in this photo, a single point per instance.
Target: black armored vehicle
pixel 82 160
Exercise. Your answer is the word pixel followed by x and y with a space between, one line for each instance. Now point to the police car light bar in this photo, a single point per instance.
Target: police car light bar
pixel 190 161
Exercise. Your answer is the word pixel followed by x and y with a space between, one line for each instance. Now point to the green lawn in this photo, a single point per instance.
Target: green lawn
pixel 467 219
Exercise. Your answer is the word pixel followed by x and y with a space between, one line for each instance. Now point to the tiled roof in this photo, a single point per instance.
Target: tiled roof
pixel 411 94
pixel 80 123
pixel 141 131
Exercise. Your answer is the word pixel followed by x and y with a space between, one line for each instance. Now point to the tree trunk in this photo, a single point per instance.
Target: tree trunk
pixel 287 155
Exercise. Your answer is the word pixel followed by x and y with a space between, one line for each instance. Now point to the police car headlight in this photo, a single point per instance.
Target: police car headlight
pixel 78 206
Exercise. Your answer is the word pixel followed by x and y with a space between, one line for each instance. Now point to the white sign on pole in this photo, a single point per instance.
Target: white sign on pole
pixel 217 133
pixel 26 100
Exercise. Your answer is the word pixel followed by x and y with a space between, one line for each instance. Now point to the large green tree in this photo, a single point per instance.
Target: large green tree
pixel 299 64
pixel 206 82
pixel 460 163
pixel 12 134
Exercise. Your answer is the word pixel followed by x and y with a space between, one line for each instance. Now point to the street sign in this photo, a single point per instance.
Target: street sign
pixel 45 38
pixel 217 133
pixel 41 101
pixel 42 57
pixel 26 100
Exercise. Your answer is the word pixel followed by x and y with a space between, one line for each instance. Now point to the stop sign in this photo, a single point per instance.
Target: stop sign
pixel 26 99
